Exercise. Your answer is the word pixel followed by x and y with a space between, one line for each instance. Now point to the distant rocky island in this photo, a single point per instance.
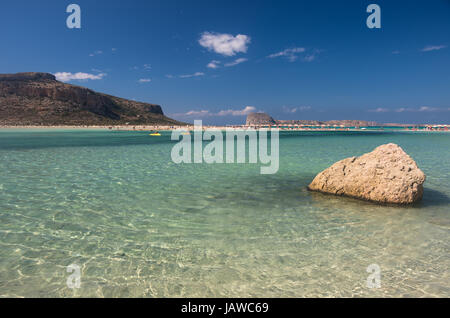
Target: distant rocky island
pixel 28 99
pixel 258 119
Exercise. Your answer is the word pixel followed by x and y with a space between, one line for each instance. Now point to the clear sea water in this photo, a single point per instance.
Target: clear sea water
pixel 139 225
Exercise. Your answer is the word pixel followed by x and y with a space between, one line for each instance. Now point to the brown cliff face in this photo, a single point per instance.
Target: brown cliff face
pixel 39 99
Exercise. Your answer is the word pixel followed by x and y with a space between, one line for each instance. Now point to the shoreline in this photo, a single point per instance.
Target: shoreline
pixel 440 128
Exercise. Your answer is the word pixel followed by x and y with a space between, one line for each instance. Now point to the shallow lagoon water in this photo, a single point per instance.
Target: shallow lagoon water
pixel 139 225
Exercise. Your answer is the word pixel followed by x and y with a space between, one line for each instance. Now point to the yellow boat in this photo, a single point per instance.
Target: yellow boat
pixel 155 134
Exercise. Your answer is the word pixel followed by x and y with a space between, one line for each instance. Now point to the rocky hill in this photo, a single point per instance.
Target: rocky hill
pixel 299 122
pixel 351 123
pixel 39 99
pixel 257 119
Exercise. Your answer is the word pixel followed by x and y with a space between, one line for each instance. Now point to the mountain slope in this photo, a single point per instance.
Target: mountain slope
pixel 39 99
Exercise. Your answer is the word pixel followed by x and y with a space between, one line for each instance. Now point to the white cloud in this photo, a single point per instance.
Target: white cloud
pixel 309 58
pixel 420 109
pixel 428 109
pixel 145 80
pixel 225 44
pixel 213 64
pixel 408 109
pixel 194 113
pixel 379 110
pixel 96 53
pixel 145 67
pixel 67 76
pixel 196 74
pixel 295 109
pixel 290 54
pixel 289 110
pixel 201 113
pixel 236 62
pixel 228 112
pixel 433 48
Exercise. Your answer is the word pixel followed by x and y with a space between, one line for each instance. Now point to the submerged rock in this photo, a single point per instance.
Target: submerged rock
pixel 385 175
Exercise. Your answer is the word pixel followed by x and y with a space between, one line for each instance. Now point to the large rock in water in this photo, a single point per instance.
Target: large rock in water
pixel 385 175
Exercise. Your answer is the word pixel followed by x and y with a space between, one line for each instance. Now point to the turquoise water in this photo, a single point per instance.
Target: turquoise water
pixel 139 225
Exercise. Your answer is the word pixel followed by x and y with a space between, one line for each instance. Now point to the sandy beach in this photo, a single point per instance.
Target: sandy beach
pixel 444 128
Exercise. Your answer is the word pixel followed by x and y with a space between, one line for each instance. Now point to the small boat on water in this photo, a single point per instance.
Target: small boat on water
pixel 155 134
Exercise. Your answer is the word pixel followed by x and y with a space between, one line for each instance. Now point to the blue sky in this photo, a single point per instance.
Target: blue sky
pixel 218 60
